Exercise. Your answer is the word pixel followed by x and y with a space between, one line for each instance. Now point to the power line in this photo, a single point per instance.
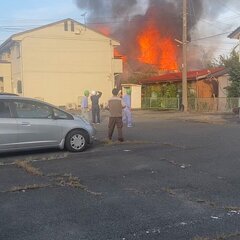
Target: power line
pixel 212 36
pixel 227 7
pixel 210 23
pixel 226 18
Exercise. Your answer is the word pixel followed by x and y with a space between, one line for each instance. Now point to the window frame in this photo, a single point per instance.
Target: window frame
pixel 19 87
pixel 69 116
pixel 2 80
pixel 53 116
pixel 13 101
pixel 65 26
pixel 72 26
pixel 9 107
pixel 18 49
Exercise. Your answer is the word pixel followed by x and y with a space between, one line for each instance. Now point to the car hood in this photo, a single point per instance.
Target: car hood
pixel 82 119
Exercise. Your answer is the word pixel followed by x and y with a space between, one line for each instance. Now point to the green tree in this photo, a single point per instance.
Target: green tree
pixel 233 65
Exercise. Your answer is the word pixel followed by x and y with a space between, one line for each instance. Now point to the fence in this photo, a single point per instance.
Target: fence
pixel 194 104
pixel 213 104
pixel 160 103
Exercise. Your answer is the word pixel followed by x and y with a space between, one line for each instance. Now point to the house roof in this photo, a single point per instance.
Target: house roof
pixel 191 76
pixel 235 34
pixel 10 39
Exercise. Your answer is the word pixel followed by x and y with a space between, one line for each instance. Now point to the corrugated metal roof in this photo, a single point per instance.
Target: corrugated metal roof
pixel 177 76
pixel 235 34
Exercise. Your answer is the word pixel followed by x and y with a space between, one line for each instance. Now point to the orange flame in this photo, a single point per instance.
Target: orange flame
pixel 106 31
pixel 117 54
pixel 157 50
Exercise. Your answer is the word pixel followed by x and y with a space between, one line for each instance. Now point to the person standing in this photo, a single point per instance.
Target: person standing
pixel 84 105
pixel 95 106
pixel 115 106
pixel 127 114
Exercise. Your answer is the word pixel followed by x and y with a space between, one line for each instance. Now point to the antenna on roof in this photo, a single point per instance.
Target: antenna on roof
pixel 84 18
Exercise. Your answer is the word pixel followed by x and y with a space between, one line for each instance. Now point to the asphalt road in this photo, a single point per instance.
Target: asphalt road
pixel 176 177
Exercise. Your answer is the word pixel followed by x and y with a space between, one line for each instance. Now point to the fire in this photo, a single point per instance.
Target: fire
pixel 157 50
pixel 104 30
pixel 117 54
pixel 107 32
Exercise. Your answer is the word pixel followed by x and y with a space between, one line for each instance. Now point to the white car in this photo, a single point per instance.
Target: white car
pixel 32 124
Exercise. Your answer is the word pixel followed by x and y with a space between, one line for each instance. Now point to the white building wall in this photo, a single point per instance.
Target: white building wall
pixel 136 94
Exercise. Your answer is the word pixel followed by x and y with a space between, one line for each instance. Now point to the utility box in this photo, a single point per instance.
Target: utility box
pixel 136 94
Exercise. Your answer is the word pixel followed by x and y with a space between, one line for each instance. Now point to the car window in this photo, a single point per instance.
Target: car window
pixel 4 109
pixel 31 109
pixel 60 114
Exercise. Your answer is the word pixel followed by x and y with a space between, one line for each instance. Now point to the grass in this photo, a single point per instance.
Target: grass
pixel 169 191
pixel 230 208
pixel 25 165
pixel 27 187
pixel 67 180
pixel 111 142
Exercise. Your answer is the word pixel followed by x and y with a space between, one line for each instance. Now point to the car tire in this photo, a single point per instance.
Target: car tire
pixel 76 141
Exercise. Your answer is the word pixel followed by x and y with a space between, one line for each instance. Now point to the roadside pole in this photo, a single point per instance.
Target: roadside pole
pixel 184 53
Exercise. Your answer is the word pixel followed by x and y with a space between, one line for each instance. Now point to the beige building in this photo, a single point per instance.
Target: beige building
pixel 57 62
pixel 5 76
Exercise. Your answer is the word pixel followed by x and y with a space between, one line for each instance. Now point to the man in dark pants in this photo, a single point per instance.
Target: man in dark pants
pixel 95 106
pixel 115 106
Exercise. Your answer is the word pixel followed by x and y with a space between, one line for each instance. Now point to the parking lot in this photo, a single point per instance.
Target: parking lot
pixel 176 177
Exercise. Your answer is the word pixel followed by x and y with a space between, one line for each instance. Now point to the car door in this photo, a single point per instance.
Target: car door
pixel 8 127
pixel 36 124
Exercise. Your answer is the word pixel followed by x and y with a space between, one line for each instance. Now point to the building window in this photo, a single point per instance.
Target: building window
pixel 66 26
pixel 4 110
pixel 19 86
pixel 18 50
pixel 1 84
pixel 72 26
pixel 32 109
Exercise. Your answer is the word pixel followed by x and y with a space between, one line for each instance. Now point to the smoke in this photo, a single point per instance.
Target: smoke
pixel 166 17
pixel 109 9
pixel 214 8
pixel 105 8
pixel 218 16
pixel 127 18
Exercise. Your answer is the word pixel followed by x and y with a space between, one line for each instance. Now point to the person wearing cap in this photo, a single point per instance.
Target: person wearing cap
pixel 127 114
pixel 115 107
pixel 95 106
pixel 84 105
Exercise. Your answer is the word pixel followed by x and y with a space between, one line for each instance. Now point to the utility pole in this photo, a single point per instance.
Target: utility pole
pixel 239 47
pixel 184 54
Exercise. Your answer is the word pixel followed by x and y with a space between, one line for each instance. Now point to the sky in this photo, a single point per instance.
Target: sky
pixel 219 18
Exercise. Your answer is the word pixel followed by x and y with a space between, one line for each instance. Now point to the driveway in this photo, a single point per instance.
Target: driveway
pixel 176 177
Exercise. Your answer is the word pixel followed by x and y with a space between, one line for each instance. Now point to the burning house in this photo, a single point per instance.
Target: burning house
pixel 151 54
pixel 147 35
pixel 206 90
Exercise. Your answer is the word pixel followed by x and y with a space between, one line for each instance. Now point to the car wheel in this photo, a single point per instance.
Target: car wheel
pixel 76 141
